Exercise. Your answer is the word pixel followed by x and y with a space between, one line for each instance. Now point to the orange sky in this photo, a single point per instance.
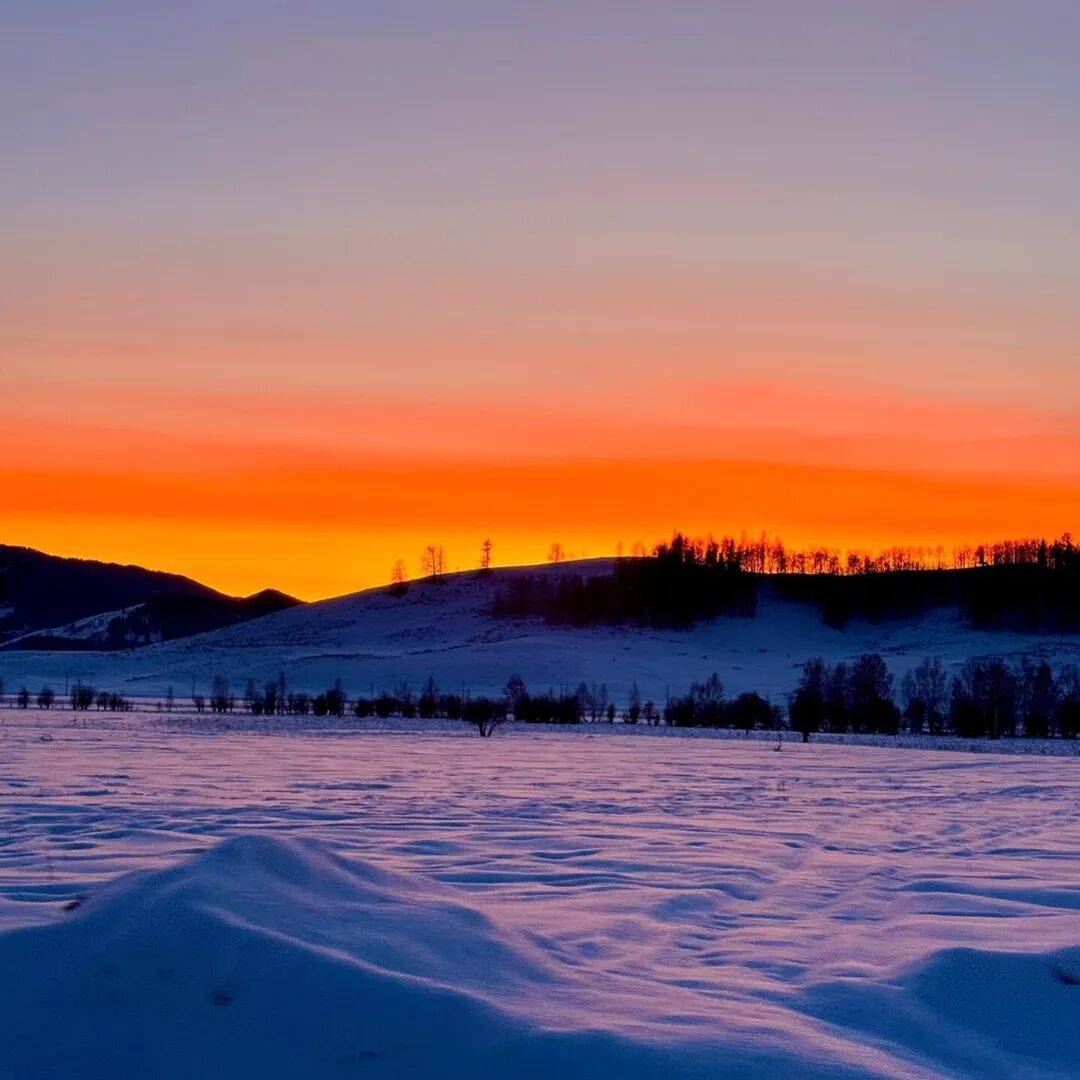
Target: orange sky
pixel 288 295
pixel 319 496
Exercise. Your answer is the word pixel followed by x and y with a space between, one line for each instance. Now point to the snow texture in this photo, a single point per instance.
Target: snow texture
pixel 436 905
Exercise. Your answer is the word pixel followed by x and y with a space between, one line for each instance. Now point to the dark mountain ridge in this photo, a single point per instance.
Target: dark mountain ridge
pixel 44 597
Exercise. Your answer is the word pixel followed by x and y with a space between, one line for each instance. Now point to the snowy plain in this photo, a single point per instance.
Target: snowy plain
pixel 421 903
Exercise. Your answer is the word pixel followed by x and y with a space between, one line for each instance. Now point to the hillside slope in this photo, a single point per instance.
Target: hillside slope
pixel 53 603
pixel 372 641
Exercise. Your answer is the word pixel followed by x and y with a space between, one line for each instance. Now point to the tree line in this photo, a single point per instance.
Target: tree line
pixel 1019 584
pixel 80 696
pixel 985 698
pixel 770 555
pixel 682 582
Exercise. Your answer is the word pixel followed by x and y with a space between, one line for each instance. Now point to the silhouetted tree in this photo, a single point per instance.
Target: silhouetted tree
pixel 46 697
pixel 270 699
pixel 703 706
pixel 485 555
pixel 82 696
pixel 597 701
pixel 484 714
pixel 708 701
pixel 1039 697
pixel 406 702
pixel 399 579
pixel 433 561
pixel 838 699
pixel 428 704
pixel 984 700
pixel 749 711
pixel 548 709
pixel 807 706
pixel 221 698
pixel 872 705
pixel 336 699
pixel 925 691
pixel 679 711
pixel 517 696
pixel 450 706
pixel 1068 710
pixel 998 692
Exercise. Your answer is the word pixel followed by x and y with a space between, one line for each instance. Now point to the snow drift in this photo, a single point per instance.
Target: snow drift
pixel 274 958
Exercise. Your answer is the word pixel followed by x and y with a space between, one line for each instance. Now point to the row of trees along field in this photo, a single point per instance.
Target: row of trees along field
pixel 1022 584
pixel 586 703
pixel 985 698
pixel 79 696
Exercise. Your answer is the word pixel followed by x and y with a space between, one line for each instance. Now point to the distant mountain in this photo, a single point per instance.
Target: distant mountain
pixel 48 602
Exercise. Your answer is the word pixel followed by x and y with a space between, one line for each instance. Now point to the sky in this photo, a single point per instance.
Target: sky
pixel 290 290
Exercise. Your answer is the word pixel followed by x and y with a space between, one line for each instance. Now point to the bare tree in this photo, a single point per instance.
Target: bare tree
pixel 221 698
pixel 515 693
pixel 925 692
pixel 484 714
pixel 82 696
pixel 556 553
pixel 399 579
pixel 433 561
pixel 485 555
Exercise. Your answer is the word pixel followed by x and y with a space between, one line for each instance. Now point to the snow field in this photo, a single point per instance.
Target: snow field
pixel 412 904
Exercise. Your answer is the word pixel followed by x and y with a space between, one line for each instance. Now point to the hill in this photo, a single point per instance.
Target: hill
pixel 373 640
pixel 53 603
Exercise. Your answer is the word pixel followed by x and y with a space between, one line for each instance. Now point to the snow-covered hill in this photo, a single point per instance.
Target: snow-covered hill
pixel 372 640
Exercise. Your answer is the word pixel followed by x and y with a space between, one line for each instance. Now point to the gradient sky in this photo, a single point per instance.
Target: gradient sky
pixel 290 289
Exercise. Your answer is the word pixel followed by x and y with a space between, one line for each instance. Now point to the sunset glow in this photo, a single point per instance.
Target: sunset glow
pixel 284 300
